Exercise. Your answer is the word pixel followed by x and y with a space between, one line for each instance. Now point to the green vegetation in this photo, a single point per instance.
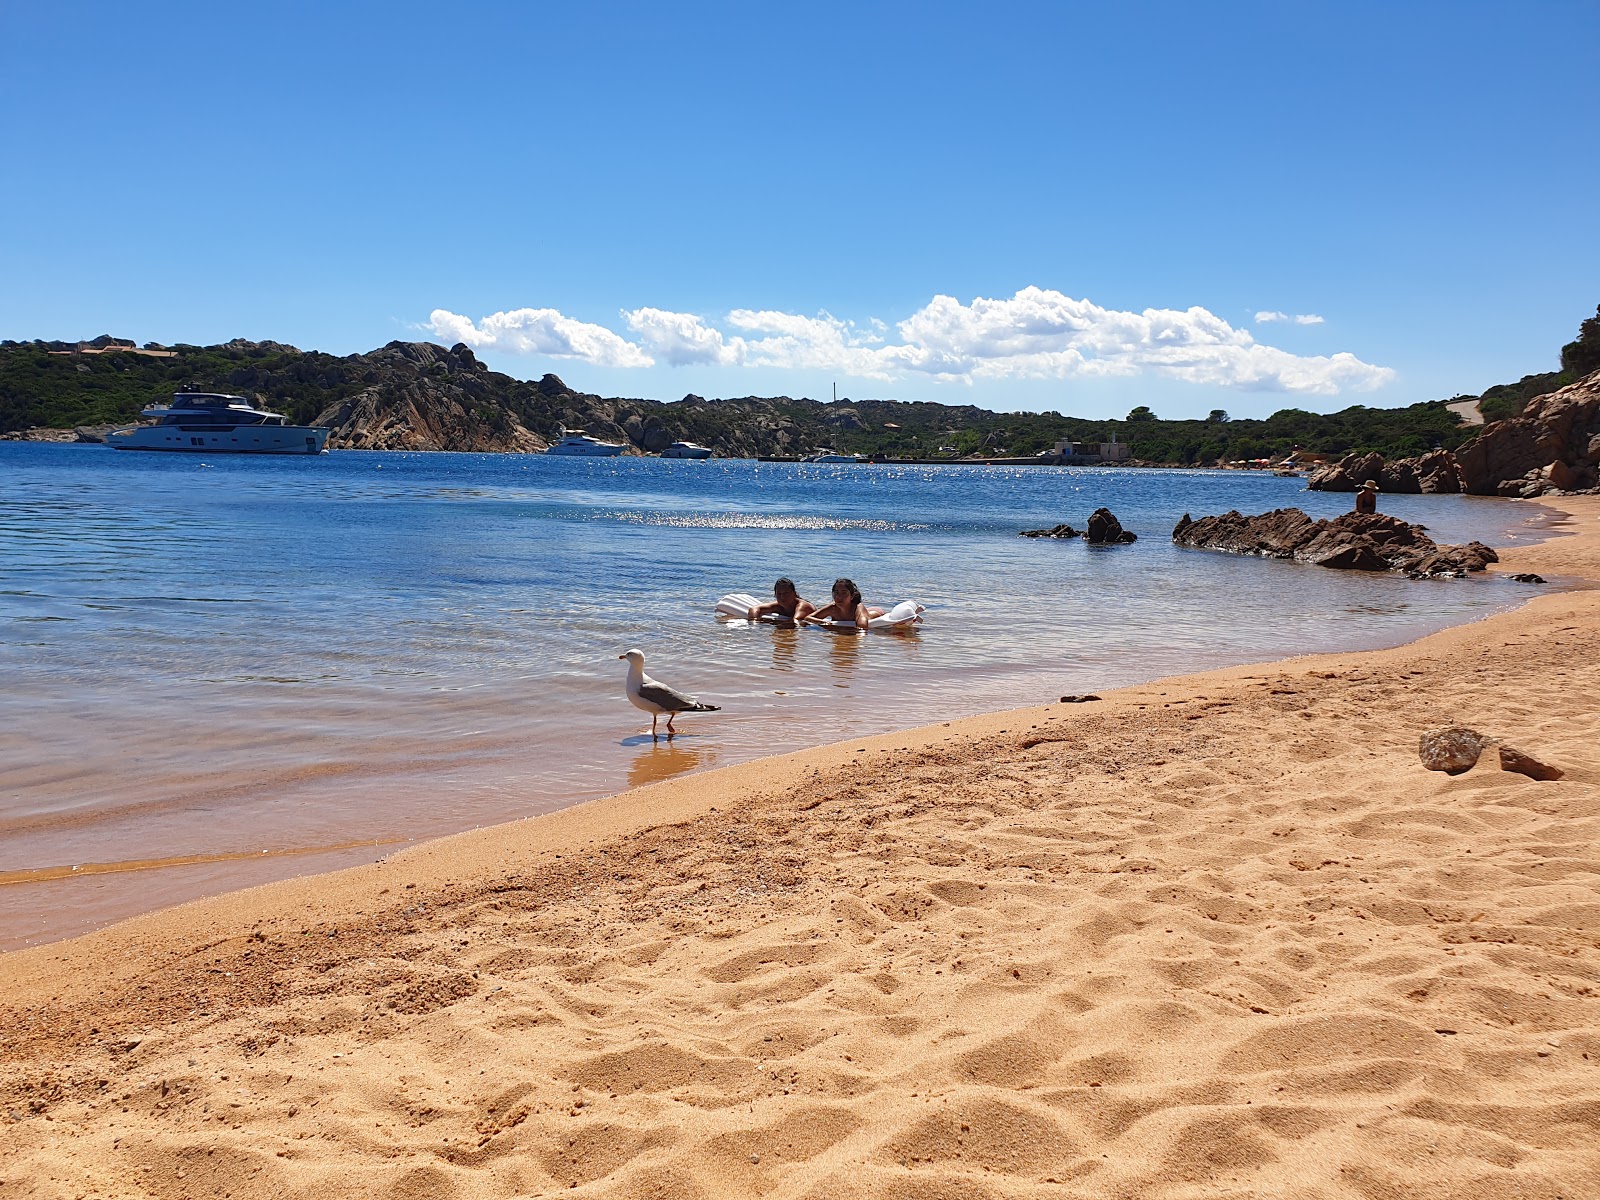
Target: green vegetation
pixel 40 385
pixel 62 390
pixel 1395 432
pixel 59 390
pixel 1578 358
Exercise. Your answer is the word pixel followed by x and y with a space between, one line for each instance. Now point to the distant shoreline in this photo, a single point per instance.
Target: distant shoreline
pixel 78 436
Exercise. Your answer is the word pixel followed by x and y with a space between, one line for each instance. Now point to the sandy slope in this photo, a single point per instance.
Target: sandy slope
pixel 1218 936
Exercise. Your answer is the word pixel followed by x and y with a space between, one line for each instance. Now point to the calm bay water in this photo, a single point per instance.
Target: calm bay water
pixel 215 672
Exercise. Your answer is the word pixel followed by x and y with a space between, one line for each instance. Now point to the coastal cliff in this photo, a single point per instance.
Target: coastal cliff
pixel 1552 446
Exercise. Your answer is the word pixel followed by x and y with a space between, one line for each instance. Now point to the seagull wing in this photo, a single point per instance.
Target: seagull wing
pixel 670 699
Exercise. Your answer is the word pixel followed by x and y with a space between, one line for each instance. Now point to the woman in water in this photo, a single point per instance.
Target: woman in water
pixel 847 605
pixel 786 603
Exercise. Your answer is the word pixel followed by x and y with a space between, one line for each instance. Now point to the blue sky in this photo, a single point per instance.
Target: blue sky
pixel 1023 206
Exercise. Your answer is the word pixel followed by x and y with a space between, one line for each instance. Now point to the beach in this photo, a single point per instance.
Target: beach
pixel 184 715
pixel 1217 935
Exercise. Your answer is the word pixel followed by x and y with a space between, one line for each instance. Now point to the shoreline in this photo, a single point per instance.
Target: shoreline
pixel 1548 525
pixel 351 737
pixel 833 898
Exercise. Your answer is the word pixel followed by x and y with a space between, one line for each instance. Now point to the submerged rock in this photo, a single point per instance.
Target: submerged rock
pixel 1055 531
pixel 1351 542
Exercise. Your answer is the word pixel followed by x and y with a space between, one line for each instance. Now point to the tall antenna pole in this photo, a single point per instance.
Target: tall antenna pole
pixel 836 392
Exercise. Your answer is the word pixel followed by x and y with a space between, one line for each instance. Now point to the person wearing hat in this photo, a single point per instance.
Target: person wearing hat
pixel 1367 498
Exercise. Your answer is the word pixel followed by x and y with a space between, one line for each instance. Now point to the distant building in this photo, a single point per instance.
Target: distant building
pixel 1089 453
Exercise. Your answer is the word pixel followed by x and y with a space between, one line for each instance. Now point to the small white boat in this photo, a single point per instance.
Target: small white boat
pixel 218 424
pixel 831 457
pixel 578 443
pixel 686 450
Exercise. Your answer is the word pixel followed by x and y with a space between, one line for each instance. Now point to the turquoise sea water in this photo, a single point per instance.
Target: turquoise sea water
pixel 273 666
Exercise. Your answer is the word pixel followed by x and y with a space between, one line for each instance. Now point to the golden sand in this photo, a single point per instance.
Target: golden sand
pixel 1216 936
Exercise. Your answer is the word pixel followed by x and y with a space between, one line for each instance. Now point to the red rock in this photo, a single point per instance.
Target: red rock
pixel 1451 750
pixel 1512 759
pixel 1351 541
pixel 1554 428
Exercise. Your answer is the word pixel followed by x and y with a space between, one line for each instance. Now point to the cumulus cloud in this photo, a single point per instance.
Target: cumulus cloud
pixel 540 331
pixel 1036 334
pixel 1263 318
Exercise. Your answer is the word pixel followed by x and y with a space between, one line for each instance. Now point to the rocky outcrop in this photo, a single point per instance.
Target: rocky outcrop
pixel 1105 530
pixel 39 434
pixel 1347 474
pixel 1553 446
pixel 1352 542
pixel 1550 447
pixel 419 396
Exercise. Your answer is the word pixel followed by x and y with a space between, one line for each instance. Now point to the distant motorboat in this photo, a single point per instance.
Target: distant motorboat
pixel 831 457
pixel 686 450
pixel 578 443
pixel 214 423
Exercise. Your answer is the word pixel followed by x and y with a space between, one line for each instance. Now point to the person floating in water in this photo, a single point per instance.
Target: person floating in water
pixel 1367 498
pixel 847 605
pixel 786 603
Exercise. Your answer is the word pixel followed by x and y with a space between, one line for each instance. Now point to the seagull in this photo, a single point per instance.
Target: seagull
pixel 657 698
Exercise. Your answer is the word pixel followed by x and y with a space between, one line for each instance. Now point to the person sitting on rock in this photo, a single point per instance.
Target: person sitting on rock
pixel 1367 498
pixel 786 603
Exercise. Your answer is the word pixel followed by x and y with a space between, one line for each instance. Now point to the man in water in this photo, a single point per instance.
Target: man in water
pixel 785 604
pixel 1367 498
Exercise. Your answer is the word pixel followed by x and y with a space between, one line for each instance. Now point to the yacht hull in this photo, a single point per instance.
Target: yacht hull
pixel 603 450
pixel 202 439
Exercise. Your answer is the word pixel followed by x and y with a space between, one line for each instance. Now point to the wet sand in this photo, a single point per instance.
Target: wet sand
pixel 1219 935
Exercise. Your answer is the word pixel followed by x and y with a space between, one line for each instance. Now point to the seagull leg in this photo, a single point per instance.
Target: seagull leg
pixel 670 732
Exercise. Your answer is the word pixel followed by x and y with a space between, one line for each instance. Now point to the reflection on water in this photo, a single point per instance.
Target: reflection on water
pixel 664 759
pixel 785 647
pixel 844 654
pixel 309 653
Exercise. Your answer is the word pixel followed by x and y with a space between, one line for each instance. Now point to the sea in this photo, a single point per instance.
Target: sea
pixel 217 671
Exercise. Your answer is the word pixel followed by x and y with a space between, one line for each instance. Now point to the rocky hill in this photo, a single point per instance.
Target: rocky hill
pixel 422 396
pixel 1553 446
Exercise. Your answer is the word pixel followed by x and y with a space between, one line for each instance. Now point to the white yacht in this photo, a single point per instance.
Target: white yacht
pixel 686 450
pixel 577 442
pixel 830 456
pixel 218 424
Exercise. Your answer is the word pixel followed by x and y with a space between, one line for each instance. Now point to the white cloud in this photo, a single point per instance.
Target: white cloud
pixel 540 331
pixel 1036 334
pixel 683 338
pixel 1263 318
